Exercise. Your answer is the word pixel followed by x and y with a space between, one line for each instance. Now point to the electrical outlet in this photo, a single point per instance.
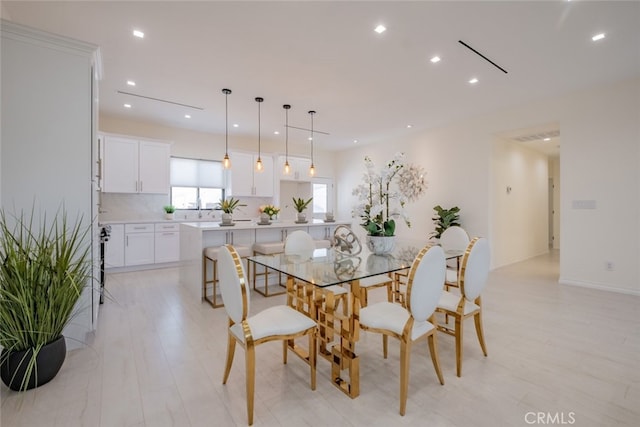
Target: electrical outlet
pixel 608 265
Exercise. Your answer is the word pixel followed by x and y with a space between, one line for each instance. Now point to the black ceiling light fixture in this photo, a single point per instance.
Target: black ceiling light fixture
pixel 482 56
pixel 226 162
pixel 312 168
pixel 259 166
pixel 287 168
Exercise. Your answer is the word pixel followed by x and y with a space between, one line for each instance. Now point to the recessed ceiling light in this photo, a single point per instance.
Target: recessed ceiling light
pixel 355 141
pixel 187 116
pixel 131 83
pixel 473 81
pixel 380 29
pixel 310 139
pixel 547 139
pixel 235 125
pixel 138 33
pixel 435 59
pixel 597 37
pixel 409 126
pixel 275 132
pixel 127 105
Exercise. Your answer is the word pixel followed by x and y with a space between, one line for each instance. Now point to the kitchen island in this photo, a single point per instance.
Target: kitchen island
pixel 195 236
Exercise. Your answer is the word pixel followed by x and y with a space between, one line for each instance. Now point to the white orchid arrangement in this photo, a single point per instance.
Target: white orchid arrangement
pixel 382 195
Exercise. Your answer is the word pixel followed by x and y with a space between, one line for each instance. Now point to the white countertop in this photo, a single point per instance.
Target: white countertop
pixel 207 224
pixel 244 225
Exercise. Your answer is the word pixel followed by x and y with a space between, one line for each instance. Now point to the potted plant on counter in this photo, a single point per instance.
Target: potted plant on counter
pixel 169 211
pixel 43 271
pixel 270 210
pixel 228 206
pixel 300 205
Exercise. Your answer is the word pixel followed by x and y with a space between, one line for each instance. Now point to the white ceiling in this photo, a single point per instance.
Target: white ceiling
pixel 325 56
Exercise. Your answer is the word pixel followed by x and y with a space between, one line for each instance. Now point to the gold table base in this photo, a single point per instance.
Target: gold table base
pixel 320 305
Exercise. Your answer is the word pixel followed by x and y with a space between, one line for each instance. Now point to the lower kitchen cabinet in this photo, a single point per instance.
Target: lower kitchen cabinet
pixel 139 245
pixel 167 243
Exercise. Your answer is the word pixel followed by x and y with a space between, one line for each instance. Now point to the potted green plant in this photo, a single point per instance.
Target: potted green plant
pixel 169 211
pixel 44 269
pixel 444 219
pixel 228 206
pixel 300 205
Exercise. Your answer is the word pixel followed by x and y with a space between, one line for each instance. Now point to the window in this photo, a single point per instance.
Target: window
pixel 322 196
pixel 196 183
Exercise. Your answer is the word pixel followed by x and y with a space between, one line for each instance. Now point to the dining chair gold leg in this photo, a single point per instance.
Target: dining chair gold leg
pixel 459 333
pixel 385 344
pixel 477 318
pixel 405 353
pixel 250 360
pixel 312 358
pixel 433 349
pixel 285 344
pixel 231 348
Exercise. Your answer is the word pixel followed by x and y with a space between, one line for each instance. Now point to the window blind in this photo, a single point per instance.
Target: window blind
pixel 196 173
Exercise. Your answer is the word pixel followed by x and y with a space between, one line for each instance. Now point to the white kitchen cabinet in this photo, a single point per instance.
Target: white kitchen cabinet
pixel 246 181
pixel 324 232
pixel 299 169
pixel 139 246
pixel 114 247
pixel 167 243
pixel 135 166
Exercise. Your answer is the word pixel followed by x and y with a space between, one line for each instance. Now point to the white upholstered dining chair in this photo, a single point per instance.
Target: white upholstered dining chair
pixel 416 321
pixel 281 323
pixel 474 272
pixel 454 238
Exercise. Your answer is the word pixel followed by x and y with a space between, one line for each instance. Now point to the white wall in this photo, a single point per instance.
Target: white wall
pixel 599 161
pixel 520 216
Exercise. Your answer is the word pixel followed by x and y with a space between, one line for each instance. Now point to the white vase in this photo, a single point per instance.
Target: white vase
pixel 227 218
pixel 302 217
pixel 381 245
pixel 168 215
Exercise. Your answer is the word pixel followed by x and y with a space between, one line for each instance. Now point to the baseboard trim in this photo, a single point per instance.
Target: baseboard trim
pixel 599 286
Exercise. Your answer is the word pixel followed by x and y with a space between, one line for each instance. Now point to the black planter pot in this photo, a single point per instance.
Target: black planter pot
pixel 48 362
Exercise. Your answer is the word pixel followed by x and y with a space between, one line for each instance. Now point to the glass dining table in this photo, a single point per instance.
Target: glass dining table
pixel 311 281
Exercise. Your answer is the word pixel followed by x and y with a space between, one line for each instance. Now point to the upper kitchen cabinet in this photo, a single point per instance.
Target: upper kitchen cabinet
pixel 299 169
pixel 135 166
pixel 246 181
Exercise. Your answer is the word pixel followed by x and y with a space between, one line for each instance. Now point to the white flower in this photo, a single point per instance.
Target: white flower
pixel 384 194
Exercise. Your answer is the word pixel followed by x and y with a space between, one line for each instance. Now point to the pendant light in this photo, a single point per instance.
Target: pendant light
pixel 259 166
pixel 226 162
pixel 287 168
pixel 312 169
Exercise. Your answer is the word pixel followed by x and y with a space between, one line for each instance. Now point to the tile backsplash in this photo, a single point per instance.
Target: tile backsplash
pixel 135 207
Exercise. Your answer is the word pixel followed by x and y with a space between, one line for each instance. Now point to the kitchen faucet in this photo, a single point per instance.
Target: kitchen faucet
pixel 199 203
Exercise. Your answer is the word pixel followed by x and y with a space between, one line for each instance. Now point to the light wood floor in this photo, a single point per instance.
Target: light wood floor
pixel 157 360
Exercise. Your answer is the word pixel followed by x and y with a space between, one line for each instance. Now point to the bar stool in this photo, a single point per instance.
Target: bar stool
pixel 211 254
pixel 322 244
pixel 267 248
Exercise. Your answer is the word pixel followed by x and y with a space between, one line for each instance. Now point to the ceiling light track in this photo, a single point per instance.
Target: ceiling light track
pixel 482 56
pixel 306 129
pixel 160 100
